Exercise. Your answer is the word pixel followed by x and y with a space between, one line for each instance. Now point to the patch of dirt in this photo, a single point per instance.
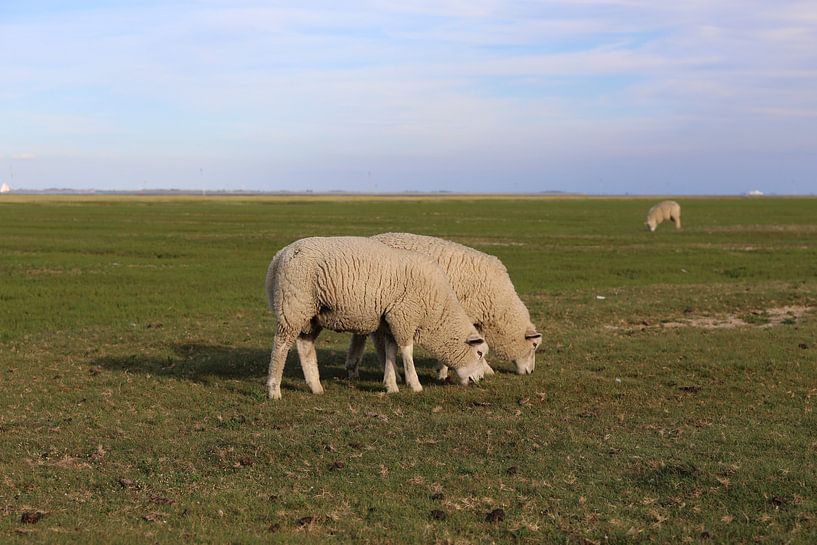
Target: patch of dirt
pixel 769 317
pixel 743 247
pixel 69 462
pixel 485 242
pixel 757 228
pixel 496 515
pixel 37 271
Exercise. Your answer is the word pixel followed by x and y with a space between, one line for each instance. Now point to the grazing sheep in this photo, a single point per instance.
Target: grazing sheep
pixel 665 210
pixel 485 291
pixel 358 285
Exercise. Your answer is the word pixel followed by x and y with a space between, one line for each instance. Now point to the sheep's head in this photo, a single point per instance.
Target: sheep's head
pixel 649 225
pixel 525 361
pixel 474 368
pixel 515 338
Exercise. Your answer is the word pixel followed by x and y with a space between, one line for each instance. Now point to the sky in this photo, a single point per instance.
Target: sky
pixel 592 96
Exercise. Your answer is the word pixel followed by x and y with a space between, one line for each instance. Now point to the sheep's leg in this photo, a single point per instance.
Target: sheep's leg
pixel 355 355
pixel 442 371
pixel 389 373
pixel 309 360
pixel 378 340
pixel 677 221
pixel 407 355
pixel 278 358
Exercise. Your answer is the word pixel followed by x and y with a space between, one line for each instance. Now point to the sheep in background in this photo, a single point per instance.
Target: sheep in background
pixel 358 285
pixel 663 211
pixel 485 291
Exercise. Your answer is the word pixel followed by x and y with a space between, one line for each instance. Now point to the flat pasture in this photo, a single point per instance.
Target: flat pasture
pixel 673 399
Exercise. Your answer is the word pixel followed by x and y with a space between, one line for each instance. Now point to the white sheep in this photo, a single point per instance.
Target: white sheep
pixel 485 291
pixel 663 211
pixel 358 285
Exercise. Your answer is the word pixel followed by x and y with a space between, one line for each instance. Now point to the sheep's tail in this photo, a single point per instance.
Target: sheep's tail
pixel 272 274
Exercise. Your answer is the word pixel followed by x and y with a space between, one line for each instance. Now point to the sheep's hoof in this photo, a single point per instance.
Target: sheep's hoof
pixel 416 387
pixel 353 373
pixel 274 392
pixel 317 390
pixel 392 389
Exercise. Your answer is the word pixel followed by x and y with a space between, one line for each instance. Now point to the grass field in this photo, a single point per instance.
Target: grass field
pixel 673 399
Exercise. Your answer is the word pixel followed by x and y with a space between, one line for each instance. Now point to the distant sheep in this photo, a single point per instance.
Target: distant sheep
pixel 358 285
pixel 485 291
pixel 663 211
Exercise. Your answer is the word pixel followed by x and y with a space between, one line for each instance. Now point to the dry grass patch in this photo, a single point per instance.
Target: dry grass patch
pixel 769 317
pixel 477 242
pixel 758 228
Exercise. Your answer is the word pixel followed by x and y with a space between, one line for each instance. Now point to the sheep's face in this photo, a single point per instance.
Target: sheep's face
pixel 474 369
pixel 649 226
pixel 526 362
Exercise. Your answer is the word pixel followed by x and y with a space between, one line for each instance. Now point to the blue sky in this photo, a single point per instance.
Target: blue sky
pixel 616 96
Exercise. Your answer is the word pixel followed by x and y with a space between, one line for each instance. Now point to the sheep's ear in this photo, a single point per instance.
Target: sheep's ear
pixel 474 340
pixel 532 334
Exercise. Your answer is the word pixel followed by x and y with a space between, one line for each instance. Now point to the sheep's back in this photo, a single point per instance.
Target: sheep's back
pixel 480 281
pixel 349 282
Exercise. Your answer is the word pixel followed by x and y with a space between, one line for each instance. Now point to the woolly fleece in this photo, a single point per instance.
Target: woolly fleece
pixel 663 211
pixel 358 285
pixel 483 287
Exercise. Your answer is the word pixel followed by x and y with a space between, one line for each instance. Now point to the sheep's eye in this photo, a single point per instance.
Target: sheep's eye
pixel 479 353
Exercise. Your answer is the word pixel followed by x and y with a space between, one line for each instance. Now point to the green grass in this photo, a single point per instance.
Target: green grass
pixel 134 342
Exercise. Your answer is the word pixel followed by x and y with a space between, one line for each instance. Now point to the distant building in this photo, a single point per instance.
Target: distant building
pixel 755 193
pixel 5 188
